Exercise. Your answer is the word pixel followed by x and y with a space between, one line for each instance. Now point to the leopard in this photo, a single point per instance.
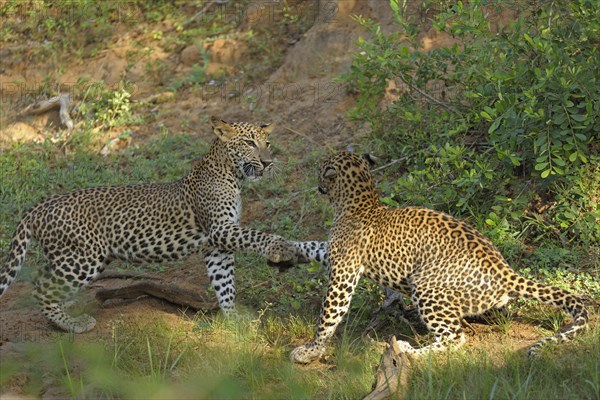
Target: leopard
pixel 81 232
pixel 447 268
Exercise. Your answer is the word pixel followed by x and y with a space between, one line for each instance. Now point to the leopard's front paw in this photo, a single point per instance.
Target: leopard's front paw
pixel 306 354
pixel 282 252
pixel 404 347
pixel 80 324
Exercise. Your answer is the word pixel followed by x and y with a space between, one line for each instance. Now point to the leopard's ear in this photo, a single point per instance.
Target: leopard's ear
pixel 222 129
pixel 268 128
pixel 370 159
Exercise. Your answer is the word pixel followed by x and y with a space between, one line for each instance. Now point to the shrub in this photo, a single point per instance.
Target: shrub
pixel 498 127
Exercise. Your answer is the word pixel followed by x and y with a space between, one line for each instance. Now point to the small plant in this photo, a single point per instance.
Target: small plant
pixel 117 110
pixel 501 318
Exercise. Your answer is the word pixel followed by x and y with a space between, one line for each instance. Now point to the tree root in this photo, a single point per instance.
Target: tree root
pixel 171 293
pixel 62 102
pixel 124 275
pixel 392 374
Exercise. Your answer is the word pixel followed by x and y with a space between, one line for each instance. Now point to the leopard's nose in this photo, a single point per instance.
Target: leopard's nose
pixel 266 163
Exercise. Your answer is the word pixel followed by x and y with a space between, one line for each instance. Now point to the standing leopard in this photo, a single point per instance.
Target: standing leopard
pixel 447 268
pixel 82 231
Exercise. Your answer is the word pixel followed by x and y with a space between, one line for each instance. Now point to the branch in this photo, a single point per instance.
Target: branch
pixel 392 374
pixel 124 275
pixel 61 102
pixel 395 161
pixel 171 293
pixel 303 135
pixel 428 96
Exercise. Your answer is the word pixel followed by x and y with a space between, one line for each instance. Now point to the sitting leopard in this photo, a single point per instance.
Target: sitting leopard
pixel 449 270
pixel 82 231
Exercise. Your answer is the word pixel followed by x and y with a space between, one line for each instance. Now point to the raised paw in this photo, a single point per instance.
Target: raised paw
pixel 281 251
pixel 306 354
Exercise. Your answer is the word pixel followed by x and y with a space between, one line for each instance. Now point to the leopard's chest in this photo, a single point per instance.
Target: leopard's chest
pixel 237 210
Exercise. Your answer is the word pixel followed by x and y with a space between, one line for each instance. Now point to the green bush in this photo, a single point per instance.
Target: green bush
pixel 501 127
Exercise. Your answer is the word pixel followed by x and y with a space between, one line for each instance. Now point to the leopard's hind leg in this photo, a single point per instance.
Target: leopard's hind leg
pixel 64 276
pixel 442 315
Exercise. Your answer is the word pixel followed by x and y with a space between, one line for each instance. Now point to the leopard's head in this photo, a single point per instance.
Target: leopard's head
pixel 346 179
pixel 247 144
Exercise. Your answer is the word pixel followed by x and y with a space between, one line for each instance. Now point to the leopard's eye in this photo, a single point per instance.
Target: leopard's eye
pixel 250 143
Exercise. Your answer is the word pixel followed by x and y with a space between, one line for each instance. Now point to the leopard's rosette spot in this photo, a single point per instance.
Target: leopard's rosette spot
pixel 83 231
pixel 449 270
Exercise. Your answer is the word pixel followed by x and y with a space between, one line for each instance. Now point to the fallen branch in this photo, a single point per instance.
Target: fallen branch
pixel 61 102
pixel 172 294
pixel 392 162
pixel 396 161
pixel 392 374
pixel 124 275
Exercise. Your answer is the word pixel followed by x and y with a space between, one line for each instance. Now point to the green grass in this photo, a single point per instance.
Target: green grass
pixel 202 358
pixel 208 357
pixel 205 356
pixel 564 372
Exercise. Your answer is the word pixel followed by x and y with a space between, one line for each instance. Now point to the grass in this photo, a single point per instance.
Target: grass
pixel 156 359
pixel 206 356
pixel 209 357
pixel 567 371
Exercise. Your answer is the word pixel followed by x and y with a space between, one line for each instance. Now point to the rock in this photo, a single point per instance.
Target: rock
pixel 226 51
pixel 190 55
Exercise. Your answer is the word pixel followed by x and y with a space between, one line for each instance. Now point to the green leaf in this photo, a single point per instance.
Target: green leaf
pixel 485 115
pixel 559 161
pixel 559 118
pixel 572 157
pixel 545 174
pixel 578 117
pixel 495 125
pixel 540 141
pixel 490 222
pixel 541 166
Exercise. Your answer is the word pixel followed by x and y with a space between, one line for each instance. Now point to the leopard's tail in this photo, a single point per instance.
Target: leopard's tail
pixel 562 299
pixel 16 255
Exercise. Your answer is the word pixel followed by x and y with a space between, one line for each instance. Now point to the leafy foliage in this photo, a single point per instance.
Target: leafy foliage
pixel 502 124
